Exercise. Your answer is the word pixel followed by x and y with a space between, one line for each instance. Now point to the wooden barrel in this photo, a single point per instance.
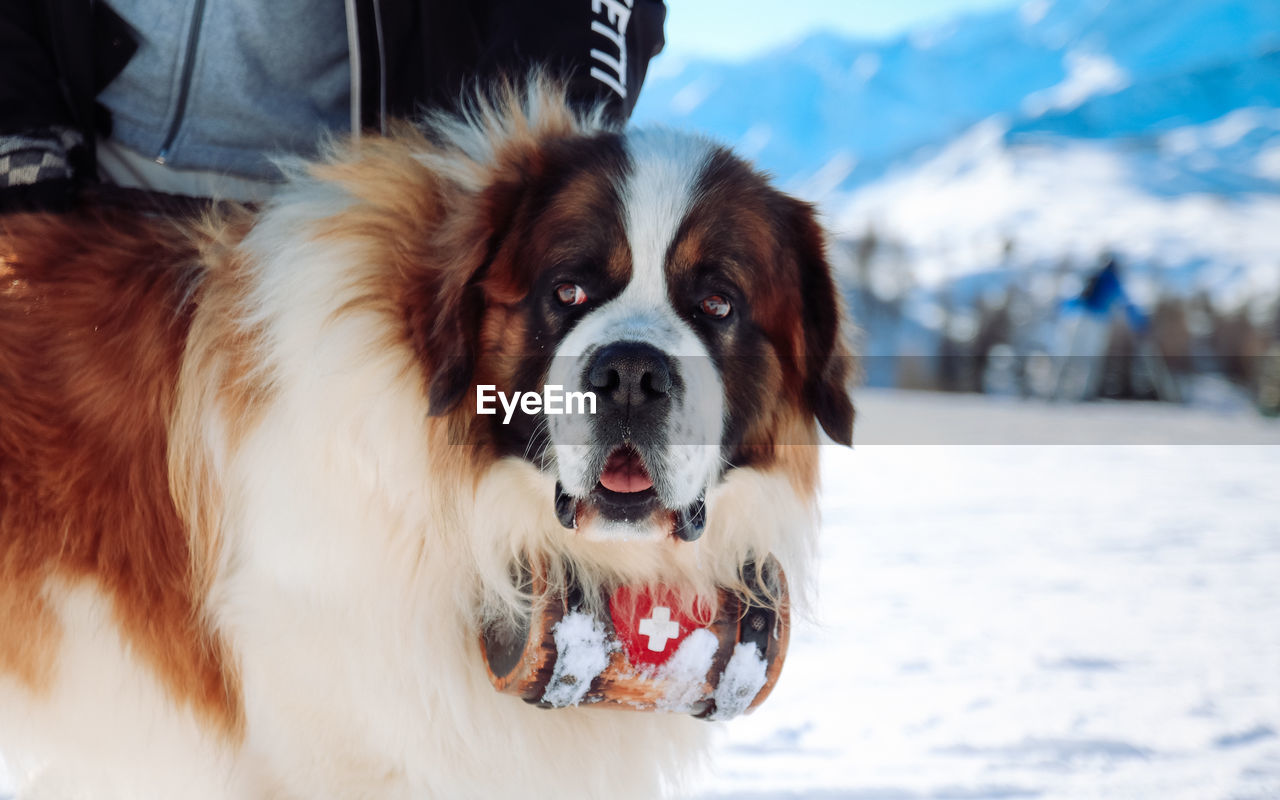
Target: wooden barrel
pixel 642 651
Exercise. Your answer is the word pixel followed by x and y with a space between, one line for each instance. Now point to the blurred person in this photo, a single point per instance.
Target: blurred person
pixel 193 98
pixel 1084 332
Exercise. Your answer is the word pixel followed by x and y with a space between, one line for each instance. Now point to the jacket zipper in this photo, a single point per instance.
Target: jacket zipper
pixel 354 36
pixel 382 69
pixel 184 88
pixel 353 58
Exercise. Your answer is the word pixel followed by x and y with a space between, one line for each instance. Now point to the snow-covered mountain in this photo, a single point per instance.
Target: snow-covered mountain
pixel 1042 65
pixel 1151 127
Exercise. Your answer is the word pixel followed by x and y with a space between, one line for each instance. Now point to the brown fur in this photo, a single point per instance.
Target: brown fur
pixel 771 245
pixel 94 314
pixel 29 634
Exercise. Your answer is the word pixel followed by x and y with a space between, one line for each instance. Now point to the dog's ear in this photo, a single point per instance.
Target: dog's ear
pixel 453 350
pixel 446 321
pixel 828 363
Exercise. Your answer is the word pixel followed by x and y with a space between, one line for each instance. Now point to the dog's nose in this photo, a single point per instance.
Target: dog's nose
pixel 630 374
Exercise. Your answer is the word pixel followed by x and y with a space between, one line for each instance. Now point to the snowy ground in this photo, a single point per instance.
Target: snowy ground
pixel 1032 621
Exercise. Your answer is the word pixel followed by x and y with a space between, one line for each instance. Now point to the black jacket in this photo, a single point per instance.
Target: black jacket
pixel 57 55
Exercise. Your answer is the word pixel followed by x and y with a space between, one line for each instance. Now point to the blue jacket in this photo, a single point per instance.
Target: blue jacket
pixel 1103 292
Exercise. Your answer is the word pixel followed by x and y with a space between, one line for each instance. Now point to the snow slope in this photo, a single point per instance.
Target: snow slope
pixel 1032 621
pixel 869 104
pixel 1147 127
pixel 1186 201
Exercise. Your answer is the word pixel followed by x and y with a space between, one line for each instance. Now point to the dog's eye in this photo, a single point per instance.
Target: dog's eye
pixel 715 306
pixel 570 294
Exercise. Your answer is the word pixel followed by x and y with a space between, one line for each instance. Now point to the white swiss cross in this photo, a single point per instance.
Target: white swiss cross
pixel 659 628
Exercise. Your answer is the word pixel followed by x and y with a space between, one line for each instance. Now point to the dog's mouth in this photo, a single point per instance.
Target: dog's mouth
pixel 625 495
pixel 624 472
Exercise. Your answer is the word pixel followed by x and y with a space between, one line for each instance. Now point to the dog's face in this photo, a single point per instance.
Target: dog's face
pixel 663 275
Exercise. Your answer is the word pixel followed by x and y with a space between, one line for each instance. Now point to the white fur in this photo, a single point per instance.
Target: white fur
pixel 105 728
pixel 658 195
pixel 352 580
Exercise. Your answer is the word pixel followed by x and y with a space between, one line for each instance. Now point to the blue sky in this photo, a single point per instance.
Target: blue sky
pixel 734 29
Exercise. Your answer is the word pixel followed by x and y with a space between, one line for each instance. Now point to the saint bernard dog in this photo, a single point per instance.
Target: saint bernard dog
pixel 251 521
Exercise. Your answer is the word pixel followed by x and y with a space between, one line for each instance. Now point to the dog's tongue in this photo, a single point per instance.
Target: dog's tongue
pixel 624 472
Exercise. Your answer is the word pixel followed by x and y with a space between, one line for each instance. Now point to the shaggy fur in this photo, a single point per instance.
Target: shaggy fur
pixel 250 524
